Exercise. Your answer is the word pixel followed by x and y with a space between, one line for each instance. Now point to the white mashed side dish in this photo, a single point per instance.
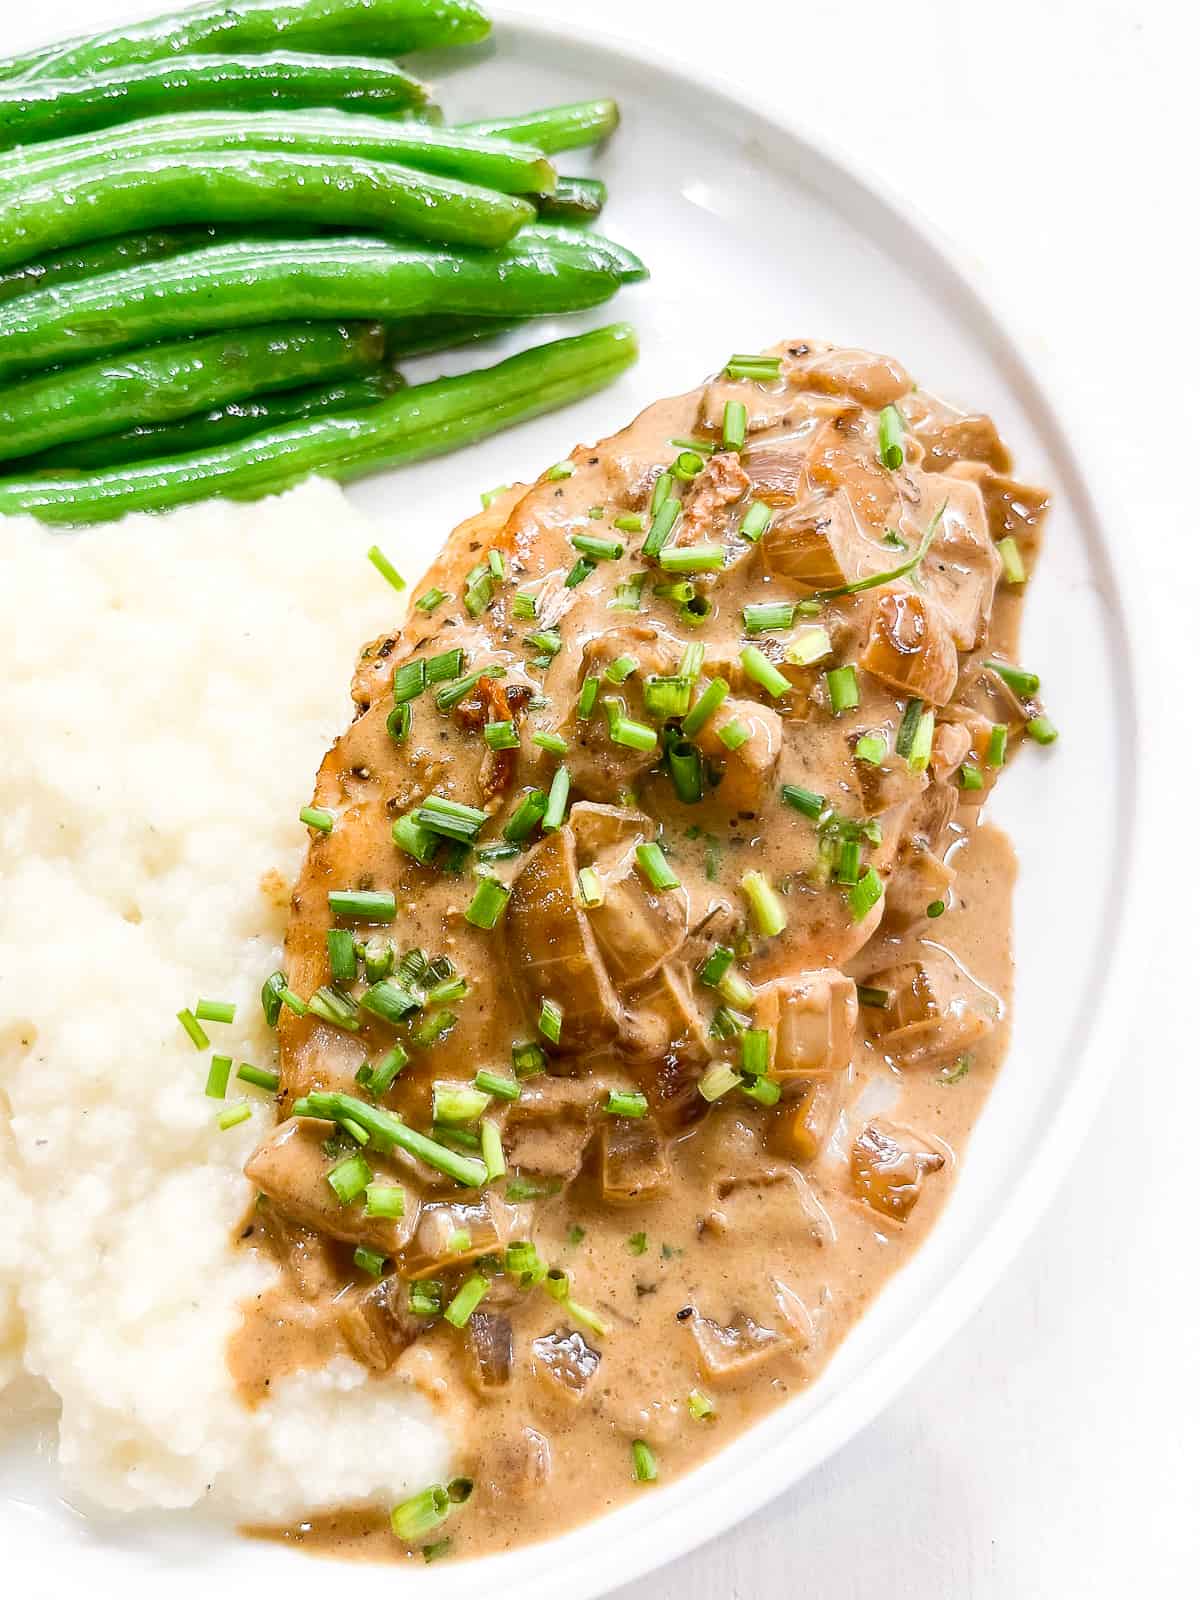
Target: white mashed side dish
pixel 169 686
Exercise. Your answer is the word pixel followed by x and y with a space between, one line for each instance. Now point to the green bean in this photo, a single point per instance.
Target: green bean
pixel 425 420
pixel 556 128
pixel 417 336
pixel 237 285
pixel 574 200
pixel 237 419
pixel 494 163
pixel 51 108
pixel 246 187
pixel 326 27
pixel 168 381
pixel 554 236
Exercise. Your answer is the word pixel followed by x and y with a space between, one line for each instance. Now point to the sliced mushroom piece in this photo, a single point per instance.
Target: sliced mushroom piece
pixel 812 1117
pixel 306 1256
pixel 605 835
pixel 633 1160
pixel 819 543
pixel 489 1351
pixel 728 1351
pixel 949 438
pixel 811 1016
pixel 664 1020
pixel 565 1362
pixel 910 646
pixel 453 1232
pixel 547 1130
pixel 769 1195
pixel 636 927
pixel 919 880
pixel 934 1012
pixel 747 774
pixel 872 380
pixel 1013 509
pixel 961 568
pixel 888 1167
pixel 292 1169
pixel 376 1322
pixel 555 954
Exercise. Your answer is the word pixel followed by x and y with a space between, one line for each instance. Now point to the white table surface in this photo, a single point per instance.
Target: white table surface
pixel 1051 1449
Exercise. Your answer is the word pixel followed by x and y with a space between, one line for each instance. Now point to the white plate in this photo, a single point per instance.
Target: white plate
pixel 755 232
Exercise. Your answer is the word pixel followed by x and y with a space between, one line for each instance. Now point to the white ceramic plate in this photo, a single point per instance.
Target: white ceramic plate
pixel 755 232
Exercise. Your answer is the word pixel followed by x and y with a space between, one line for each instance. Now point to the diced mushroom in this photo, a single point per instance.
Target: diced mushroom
pixel 935 1010
pixel 292 1170
pixel 633 1160
pixel 874 381
pixel 566 1362
pixel 555 953
pixel 453 1232
pixel 962 567
pixel 919 880
pixel 376 1322
pixel 812 1117
pixel 769 1194
pixel 910 646
pixel 605 835
pixel 1013 509
pixel 489 1351
pixel 663 1018
pixel 888 1167
pixel 811 1016
pixel 547 1149
pixel 636 927
pixel 307 1256
pixel 729 1351
pixel 747 774
pixel 951 747
pixel 819 543
pixel 948 438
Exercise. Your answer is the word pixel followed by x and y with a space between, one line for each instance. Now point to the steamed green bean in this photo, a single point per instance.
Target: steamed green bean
pixel 555 128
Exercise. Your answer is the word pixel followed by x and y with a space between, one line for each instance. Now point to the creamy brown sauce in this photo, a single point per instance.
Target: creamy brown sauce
pixel 759 1232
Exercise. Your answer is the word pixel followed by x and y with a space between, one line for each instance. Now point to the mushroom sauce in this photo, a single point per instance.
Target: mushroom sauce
pixel 650 964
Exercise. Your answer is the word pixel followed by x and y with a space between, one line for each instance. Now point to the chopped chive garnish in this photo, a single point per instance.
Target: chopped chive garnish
pixel 218 1077
pixel 627 596
pixel 382 565
pixel 587 698
pixel 596 513
pixel 692 558
pixel 1010 560
pixel 408 681
pixel 662 488
pixel 526 817
pixel 384 1200
pixel 755 522
pixel 582 569
pixel 193 1029
pixel 660 528
pixel 528 1058
pixel 620 669
pixel 458 1102
pixel 556 802
pixel 700 1407
pixel 630 522
pixel 687 774
pixel 878 579
pixel 501 735
pixel 871 749
pixel 423 1512
pixel 737 990
pixel 688 464
pixel 969 776
pixel 450 818
pixel 691 661
pixel 363 905
pixel 490 495
pixel 636 1244
pixel 399 721
pixel 763 672
pixel 390 1130
pixel 716 966
pixel 632 735
pixel 756 1051
pixel 450 694
pixel 387 1070
pixel 260 1077
pixel 431 600
pixel 808 646
pixel 550 1020
pixel 231 1116
pixel 806 801
pixel 733 426
pixel 922 742
pixel 768 616
pixel 891 438
pixel 626 1103
pixel 554 742
pixel 491 1148
pixel 448 664
pixel 271 995
pixel 704 708
pixel 935 909
pixel 317 817
pixel 656 867
pixel 842 683
pixel 703 446
pixel 1041 730
pixel 334 1007
pixel 449 990
pixel 343 960
pixel 391 1001
pixel 418 842
pixel 762 369
pixel 433 1028
pixel 215 1010
pixel 497 565
pixel 997 744
pixel 765 1090
pixel 596 548
pixel 848 862
pixel 590 888
pixel 1018 680
pixel 877 999
pixel 478 590
pixel 349 1178
pixel 717 1081
pixel 667 696
pixel 865 894
pixel 532 1189
pixel 907 731
pixel 370 1261
pixel 546 640
pixel 645 1467
pixel 466 1300
pixel 425 1297
pixel 766 908
pixel 955 1073
pixel 560 470
pixel 733 734
pixel 498 1084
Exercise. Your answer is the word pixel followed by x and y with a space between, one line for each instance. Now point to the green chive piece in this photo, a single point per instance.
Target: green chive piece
pixel 1018 680
pixel 636 1244
pixel 389 1130
pixel 590 889
pixel 935 909
pixel 716 966
pixel 233 1115
pixel 487 903
pixel 766 908
pixel 526 817
pixel 664 521
pixel 691 661
pixel 627 596
pixel 969 776
pixel 399 721
pixel 215 1010
pixel 891 438
pixel 497 565
pixel 193 1029
pixel 806 801
pixel 687 773
pixel 382 565
pixel 343 960
pixel 687 465
pixel 550 1019
pixel 466 1300
pixel 733 426
pixel 349 1178
pixel 385 1073
pixel 922 742
pixel 666 697
pixel 556 802
pixel 218 1077
pixel 586 703
pixel 763 672
pixel 997 744
pixel 317 817
pixel 450 694
pixel 598 549
pixel 431 600
pixel 871 749
pixel 528 1058
pixel 554 742
pixel 626 1103
pixel 761 369
pixel 547 640
pixel 582 569
pixel 630 522
pixel 491 1148
pixel 704 707
pixel 848 862
pixel 363 905
pixel 733 734
pixel 458 1102
pixel 408 681
pixel 808 646
pixel 907 731
pixel 271 996
pixel 334 1007
pixel 632 735
pixel 877 999
pixel 623 667
pixel 1010 560
pixel 422 1513
pixel 384 1200
pixel 765 1090
pixel 560 470
pixel 261 1077
pixel 700 1407
pixel 645 1467
pixel 450 818
pixel 768 616
pixel 478 590
pixel 425 1298
pixel 489 496
pixel 878 579
pixel 497 1084
pixel 418 842
pixel 865 893
pixel 656 867
pixel 842 683
pixel 370 1261
pixel 501 735
pixel 1041 730
pixel 755 522
pixel 692 558
pixel 448 664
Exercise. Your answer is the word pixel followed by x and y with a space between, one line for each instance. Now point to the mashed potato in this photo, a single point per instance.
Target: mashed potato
pixel 170 685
